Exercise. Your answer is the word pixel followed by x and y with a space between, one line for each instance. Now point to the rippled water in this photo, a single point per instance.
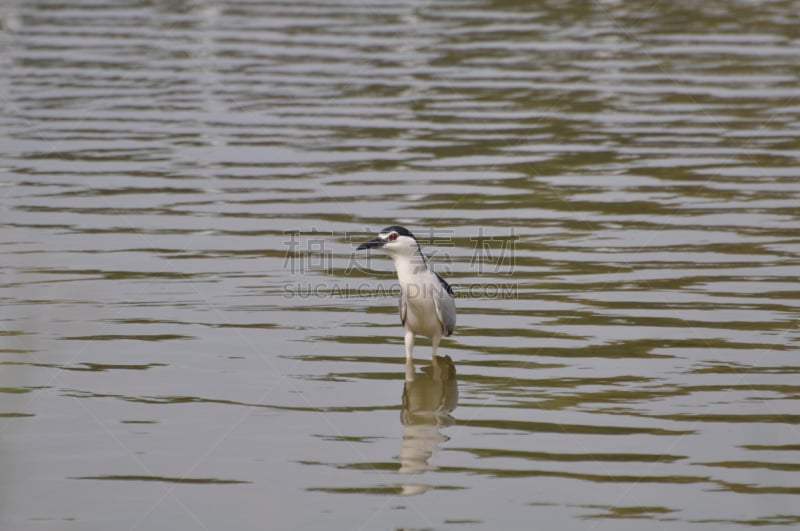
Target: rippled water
pixel 190 342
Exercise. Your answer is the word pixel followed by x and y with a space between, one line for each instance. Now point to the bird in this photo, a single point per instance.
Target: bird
pixel 427 306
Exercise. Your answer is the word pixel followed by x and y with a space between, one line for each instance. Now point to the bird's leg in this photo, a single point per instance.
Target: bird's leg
pixel 409 338
pixel 410 371
pixel 437 371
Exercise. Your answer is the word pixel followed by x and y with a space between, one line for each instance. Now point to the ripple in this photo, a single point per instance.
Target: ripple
pixel 611 190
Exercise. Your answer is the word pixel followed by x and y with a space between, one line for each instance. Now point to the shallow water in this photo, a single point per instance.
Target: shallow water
pixel 190 342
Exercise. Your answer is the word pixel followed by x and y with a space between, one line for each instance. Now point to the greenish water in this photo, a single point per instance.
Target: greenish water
pixel 188 340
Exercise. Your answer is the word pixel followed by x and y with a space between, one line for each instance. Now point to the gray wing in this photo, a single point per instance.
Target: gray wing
pixel 445 307
pixel 444 284
pixel 403 306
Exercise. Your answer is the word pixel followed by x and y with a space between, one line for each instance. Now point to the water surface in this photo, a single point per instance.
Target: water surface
pixel 189 340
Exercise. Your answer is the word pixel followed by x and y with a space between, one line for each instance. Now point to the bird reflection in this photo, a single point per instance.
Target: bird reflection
pixel 428 399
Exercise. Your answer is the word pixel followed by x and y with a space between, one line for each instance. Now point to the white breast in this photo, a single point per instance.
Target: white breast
pixel 419 292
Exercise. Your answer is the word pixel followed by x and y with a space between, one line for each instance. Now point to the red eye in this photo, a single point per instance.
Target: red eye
pixel 393 236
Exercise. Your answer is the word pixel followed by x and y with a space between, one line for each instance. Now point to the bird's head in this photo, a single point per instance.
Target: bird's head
pixel 395 240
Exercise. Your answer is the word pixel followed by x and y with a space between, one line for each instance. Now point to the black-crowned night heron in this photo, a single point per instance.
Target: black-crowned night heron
pixel 426 300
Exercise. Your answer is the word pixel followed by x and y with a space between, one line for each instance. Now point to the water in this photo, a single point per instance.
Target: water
pixel 190 342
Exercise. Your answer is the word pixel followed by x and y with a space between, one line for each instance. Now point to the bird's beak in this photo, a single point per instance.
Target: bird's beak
pixel 374 242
